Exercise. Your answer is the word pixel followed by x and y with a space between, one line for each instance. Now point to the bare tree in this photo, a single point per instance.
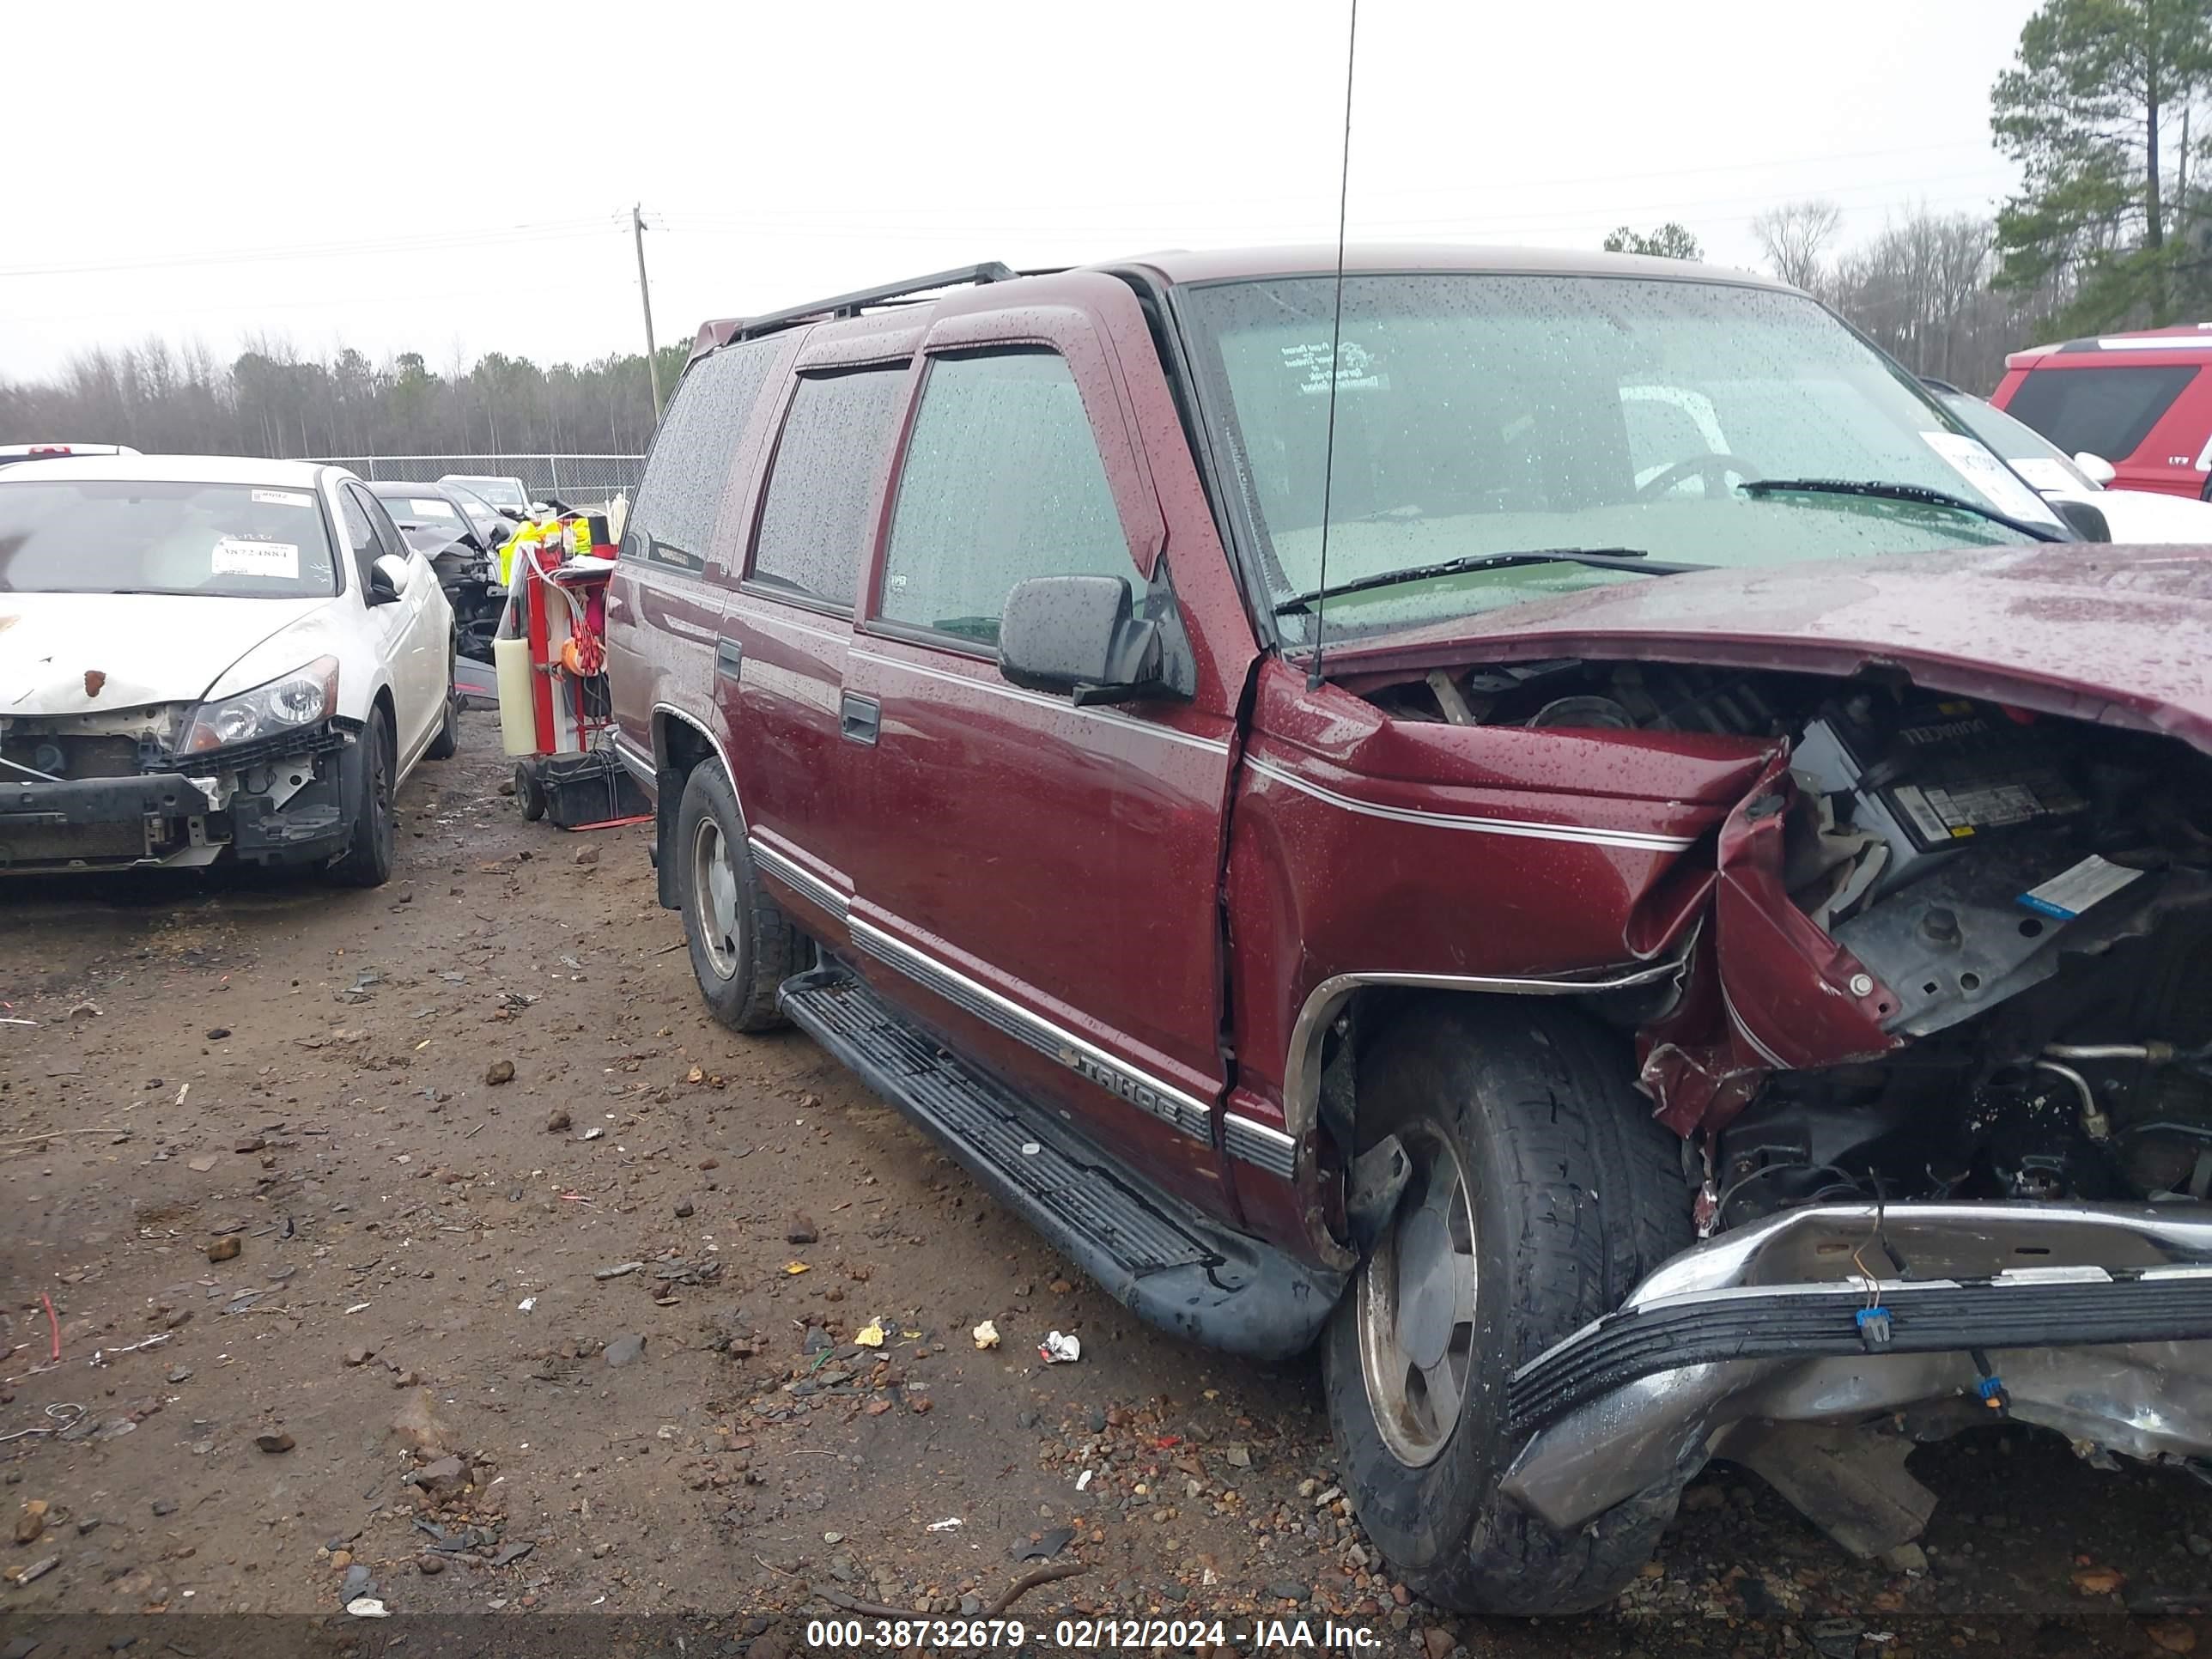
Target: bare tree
pixel 1796 237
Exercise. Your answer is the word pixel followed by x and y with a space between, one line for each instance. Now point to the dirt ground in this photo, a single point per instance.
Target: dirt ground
pixel 430 1245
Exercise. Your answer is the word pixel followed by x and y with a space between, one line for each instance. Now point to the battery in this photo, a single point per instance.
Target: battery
pixel 1948 769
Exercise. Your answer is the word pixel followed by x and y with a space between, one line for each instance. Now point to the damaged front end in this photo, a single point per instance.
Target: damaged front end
pixel 1941 1054
pixel 1817 1345
pixel 119 789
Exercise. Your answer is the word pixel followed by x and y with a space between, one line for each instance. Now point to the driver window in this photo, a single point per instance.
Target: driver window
pixel 1002 482
pixel 1666 425
pixel 360 534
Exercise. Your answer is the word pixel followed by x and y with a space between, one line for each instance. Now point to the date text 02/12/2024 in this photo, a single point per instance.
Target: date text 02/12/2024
pixel 1086 1634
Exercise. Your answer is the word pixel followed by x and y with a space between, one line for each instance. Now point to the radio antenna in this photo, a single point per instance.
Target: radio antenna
pixel 1336 345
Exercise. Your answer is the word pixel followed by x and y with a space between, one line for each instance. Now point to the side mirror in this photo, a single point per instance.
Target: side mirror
pixel 2086 519
pixel 389 579
pixel 1075 634
pixel 2095 467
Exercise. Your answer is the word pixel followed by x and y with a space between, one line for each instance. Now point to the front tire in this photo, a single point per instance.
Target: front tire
pixel 367 861
pixel 1541 1193
pixel 742 946
pixel 447 743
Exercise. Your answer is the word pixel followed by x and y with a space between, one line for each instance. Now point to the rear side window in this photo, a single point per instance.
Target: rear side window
pixel 1002 482
pixel 815 518
pixel 673 518
pixel 2106 411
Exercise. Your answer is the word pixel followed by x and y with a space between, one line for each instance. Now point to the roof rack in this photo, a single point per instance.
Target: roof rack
pixel 722 333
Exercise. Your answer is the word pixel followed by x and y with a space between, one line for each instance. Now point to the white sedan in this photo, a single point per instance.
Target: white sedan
pixel 2134 516
pixel 204 658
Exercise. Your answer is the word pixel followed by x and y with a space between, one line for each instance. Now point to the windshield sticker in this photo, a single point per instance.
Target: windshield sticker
pixel 2047 474
pixel 1991 478
pixel 1356 371
pixel 283 498
pixel 423 509
pixel 235 555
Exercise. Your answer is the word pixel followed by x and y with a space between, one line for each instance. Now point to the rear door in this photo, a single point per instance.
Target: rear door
pixel 1038 879
pixel 795 737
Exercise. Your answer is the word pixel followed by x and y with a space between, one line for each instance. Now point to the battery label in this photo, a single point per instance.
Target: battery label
pixel 2069 893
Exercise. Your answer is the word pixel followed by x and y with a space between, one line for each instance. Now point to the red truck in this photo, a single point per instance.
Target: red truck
pixel 1550 824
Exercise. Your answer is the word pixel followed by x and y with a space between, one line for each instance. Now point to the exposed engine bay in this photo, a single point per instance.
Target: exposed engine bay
pixel 2034 892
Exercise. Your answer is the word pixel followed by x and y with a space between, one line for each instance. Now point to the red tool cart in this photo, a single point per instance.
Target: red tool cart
pixel 554 713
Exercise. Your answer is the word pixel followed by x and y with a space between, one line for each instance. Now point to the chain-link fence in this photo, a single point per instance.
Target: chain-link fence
pixel 579 480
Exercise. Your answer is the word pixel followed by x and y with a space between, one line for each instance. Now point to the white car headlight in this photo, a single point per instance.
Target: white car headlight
pixel 288 703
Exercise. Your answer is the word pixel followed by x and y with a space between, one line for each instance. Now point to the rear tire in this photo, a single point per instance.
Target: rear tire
pixel 1541 1193
pixel 367 861
pixel 742 946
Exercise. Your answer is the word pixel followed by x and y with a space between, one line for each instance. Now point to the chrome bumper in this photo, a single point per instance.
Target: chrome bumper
pixel 2096 1321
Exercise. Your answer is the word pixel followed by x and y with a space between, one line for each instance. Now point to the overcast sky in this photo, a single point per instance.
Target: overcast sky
pixel 455 178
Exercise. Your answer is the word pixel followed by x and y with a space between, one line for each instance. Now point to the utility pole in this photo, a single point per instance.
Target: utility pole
pixel 645 295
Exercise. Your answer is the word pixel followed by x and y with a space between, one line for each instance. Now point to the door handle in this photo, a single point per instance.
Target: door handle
pixel 729 659
pixel 859 719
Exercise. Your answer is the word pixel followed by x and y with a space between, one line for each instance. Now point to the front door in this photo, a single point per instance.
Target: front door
pixel 1039 879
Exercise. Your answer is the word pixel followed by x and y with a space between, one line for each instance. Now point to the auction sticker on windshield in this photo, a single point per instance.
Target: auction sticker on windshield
pixel 1971 458
pixel 283 498
pixel 234 555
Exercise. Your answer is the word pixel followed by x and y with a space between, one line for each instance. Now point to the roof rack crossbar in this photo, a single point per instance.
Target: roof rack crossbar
pixel 851 305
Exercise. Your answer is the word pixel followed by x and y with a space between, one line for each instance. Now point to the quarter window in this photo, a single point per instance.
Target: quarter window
pixel 814 521
pixel 674 519
pixel 1002 482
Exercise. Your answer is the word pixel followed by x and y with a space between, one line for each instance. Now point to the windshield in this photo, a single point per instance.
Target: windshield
pixel 500 492
pixel 101 535
pixel 1480 415
pixel 2030 454
pixel 430 522
pixel 2105 411
pixel 483 515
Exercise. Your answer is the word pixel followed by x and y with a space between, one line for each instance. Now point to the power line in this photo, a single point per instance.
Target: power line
pixel 427 244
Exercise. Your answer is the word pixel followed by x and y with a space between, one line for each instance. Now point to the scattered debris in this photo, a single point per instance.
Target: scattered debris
pixel 223 1249
pixel 986 1335
pixel 37 1569
pixel 591 1133
pixel 1058 1350
pixel 526 1304
pixel 499 1072
pixel 368 1606
pixel 218 1033
pixel 1046 1545
pixel 801 1230
pixel 870 1335
pixel 31 1521
pixel 557 1121
pixel 622 1270
pixel 84 1011
pixel 278 1442
pixel 796 1267
pixel 951 1523
pixel 419 1425
pixel 625 1348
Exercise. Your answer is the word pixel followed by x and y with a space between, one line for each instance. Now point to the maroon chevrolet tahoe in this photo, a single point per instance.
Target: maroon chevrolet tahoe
pixel 1562 832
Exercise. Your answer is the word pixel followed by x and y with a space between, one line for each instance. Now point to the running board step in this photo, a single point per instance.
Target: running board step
pixel 1170 1266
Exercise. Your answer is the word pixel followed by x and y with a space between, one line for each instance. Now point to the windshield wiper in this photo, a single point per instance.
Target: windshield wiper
pixel 1884 490
pixel 1597 558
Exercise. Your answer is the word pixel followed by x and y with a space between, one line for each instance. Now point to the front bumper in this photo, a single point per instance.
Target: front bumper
pixel 2094 1319
pixel 271 803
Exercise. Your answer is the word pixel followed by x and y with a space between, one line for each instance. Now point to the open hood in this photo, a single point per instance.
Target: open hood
pixel 2120 635
pixel 73 654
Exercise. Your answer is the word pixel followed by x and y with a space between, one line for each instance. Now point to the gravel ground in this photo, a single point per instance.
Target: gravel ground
pixel 430 1245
